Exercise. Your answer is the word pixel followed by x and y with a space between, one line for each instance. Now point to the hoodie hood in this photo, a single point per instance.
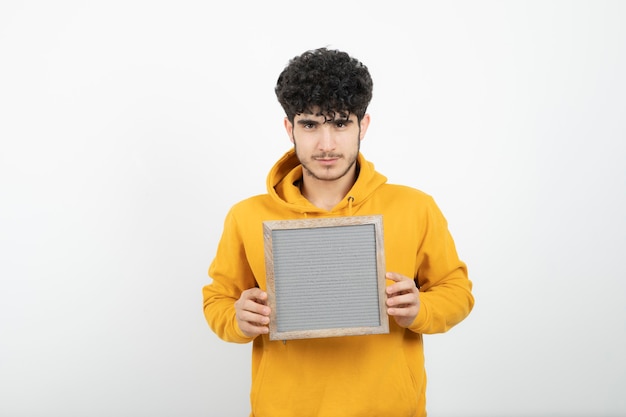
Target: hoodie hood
pixel 283 186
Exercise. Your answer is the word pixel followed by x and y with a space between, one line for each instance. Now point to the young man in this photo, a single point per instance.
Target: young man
pixel 325 95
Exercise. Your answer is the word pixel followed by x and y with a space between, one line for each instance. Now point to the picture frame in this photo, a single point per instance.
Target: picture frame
pixel 325 277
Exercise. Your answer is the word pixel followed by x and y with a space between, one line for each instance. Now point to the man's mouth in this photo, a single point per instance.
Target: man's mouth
pixel 328 158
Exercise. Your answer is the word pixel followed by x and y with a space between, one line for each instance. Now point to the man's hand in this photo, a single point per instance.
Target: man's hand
pixel 252 313
pixel 403 300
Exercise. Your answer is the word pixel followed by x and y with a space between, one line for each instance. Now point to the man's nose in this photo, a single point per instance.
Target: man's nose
pixel 327 140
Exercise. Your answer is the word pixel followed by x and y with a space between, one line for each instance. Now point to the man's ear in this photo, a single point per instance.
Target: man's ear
pixel 364 124
pixel 289 129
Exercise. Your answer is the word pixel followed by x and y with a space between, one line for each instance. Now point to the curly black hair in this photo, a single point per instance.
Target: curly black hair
pixel 329 81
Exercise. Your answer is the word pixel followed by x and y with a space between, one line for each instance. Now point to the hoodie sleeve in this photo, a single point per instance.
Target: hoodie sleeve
pixel 445 289
pixel 231 275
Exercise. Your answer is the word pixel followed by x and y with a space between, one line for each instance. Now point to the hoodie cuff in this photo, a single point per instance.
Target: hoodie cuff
pixel 240 337
pixel 420 321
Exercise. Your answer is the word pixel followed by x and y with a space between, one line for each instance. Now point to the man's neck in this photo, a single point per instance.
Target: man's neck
pixel 326 194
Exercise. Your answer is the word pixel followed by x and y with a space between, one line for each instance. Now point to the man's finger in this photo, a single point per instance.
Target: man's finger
pixel 394 276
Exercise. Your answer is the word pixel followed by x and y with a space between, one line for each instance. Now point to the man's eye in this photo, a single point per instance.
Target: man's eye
pixel 340 124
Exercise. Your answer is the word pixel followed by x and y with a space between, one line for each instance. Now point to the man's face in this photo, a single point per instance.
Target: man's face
pixel 327 149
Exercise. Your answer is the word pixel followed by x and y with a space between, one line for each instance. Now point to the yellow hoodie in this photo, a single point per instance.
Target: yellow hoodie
pixel 372 375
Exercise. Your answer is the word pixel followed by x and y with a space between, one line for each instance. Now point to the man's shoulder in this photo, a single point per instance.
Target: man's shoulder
pixel 404 191
pixel 253 203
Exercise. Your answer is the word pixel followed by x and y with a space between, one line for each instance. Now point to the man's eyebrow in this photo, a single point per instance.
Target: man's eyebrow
pixel 317 122
pixel 307 122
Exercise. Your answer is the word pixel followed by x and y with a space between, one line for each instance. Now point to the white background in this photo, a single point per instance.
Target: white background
pixel 129 128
